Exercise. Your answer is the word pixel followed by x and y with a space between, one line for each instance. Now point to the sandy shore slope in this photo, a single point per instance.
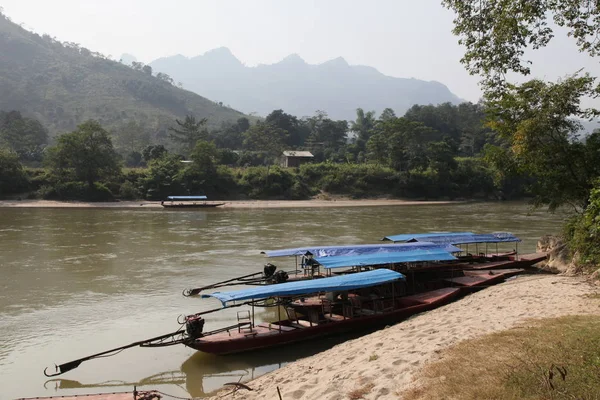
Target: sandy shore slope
pixel 228 204
pixel 385 362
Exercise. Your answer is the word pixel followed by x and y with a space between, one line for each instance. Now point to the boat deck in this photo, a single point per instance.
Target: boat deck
pixel 261 330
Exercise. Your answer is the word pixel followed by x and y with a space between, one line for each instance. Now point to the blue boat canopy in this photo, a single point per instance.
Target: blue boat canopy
pixel 458 238
pixel 355 250
pixel 501 237
pixel 408 236
pixel 434 254
pixel 336 283
pixel 187 197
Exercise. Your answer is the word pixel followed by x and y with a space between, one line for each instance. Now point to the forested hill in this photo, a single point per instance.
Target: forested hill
pixel 300 88
pixel 63 85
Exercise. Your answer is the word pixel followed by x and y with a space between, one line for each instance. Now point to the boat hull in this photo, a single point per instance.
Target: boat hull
pixel 177 206
pixel 264 336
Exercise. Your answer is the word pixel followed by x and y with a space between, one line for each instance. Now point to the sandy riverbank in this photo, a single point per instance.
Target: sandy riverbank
pixel 384 363
pixel 227 205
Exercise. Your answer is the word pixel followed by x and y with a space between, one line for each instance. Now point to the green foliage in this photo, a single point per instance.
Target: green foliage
pixel 267 138
pixel 153 152
pixel 363 127
pixel 162 178
pixel 268 182
pixel 295 131
pixel 129 191
pixel 327 137
pixel 84 155
pixel 534 119
pixel 189 132
pixel 356 180
pixel 131 137
pixel 583 232
pixel 25 136
pixel 12 176
pixel 496 33
pixel 230 135
pixel 76 191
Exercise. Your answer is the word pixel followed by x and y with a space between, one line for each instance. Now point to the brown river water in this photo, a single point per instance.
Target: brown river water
pixel 79 281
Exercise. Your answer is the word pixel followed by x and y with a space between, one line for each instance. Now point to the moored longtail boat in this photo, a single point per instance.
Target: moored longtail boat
pixel 308 264
pixel 345 307
pixel 188 202
pixel 348 302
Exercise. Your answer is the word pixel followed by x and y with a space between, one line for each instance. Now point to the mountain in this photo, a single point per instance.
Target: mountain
pixel 297 87
pixel 63 85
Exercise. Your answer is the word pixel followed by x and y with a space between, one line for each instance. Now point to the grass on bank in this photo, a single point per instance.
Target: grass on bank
pixel 550 359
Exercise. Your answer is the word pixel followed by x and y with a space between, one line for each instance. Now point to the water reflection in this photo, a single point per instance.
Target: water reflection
pixel 202 374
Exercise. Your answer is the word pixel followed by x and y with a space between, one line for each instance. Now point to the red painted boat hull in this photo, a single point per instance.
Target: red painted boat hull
pixel 238 342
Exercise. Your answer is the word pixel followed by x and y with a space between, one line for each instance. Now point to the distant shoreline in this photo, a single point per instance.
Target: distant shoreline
pixel 242 204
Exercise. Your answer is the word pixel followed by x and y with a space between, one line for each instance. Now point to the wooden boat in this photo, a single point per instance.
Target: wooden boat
pixel 321 317
pixel 333 315
pixel 475 280
pixel 135 395
pixel 188 202
pixel 310 260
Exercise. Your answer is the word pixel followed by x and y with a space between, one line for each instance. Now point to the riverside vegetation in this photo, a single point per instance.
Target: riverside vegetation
pixel 552 358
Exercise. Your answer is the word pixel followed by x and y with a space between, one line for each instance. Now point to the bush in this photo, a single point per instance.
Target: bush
pixel 12 176
pixel 129 191
pixel 583 233
pixel 271 182
pixel 76 191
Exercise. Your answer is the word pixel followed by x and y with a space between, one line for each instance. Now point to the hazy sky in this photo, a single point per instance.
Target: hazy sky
pixel 402 38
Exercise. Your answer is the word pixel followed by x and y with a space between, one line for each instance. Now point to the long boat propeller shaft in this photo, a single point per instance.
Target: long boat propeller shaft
pixel 196 291
pixel 62 368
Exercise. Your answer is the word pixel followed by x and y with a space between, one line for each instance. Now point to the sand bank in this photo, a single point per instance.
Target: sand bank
pixel 382 365
pixel 227 205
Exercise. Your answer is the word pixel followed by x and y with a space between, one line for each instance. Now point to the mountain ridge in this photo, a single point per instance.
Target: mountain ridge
pixel 64 84
pixel 297 87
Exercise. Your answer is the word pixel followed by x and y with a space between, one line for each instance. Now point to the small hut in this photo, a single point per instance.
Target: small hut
pixel 292 158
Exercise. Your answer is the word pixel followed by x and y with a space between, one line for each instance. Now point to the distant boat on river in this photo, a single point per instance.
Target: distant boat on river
pixel 188 202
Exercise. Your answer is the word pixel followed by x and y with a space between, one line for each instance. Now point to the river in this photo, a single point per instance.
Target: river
pixel 80 281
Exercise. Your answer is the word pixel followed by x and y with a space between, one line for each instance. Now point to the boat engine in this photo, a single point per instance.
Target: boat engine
pixel 193 325
pixel 279 277
pixel 269 270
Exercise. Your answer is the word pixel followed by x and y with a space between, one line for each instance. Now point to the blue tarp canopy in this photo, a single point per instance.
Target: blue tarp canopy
pixel 458 238
pixel 501 237
pixel 385 258
pixel 355 250
pixel 336 283
pixel 408 236
pixel 187 197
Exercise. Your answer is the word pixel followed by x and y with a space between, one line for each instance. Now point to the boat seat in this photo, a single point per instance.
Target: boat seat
pixel 301 323
pixel 277 327
pixel 328 311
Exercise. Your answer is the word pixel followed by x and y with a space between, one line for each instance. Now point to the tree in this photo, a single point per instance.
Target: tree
pixel 154 152
pixel 230 135
pixel 132 137
pixel 296 132
pixel 26 136
pixel 534 119
pixel 327 137
pixel 165 78
pixel 12 176
pixel 363 126
pixel 84 155
pixel 189 132
pixel 266 138
pixel 387 115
